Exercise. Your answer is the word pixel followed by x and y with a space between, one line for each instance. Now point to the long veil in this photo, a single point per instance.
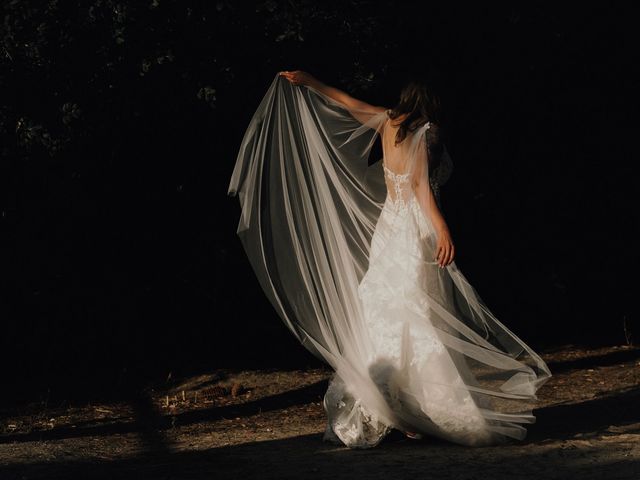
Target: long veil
pixel 310 202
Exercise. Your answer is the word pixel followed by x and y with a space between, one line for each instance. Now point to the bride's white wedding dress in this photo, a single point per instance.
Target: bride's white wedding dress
pixel 345 252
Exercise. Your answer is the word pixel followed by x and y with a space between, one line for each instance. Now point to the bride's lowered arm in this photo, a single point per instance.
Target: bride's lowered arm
pixel 362 111
pixel 424 195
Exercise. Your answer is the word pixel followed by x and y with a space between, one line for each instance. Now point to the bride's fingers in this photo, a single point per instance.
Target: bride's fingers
pixel 445 257
pixel 449 256
pixel 292 77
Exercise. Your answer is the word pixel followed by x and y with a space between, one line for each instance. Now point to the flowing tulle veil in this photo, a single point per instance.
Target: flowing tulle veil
pixel 310 204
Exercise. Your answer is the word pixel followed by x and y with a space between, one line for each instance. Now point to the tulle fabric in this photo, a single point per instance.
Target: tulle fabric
pixel 344 251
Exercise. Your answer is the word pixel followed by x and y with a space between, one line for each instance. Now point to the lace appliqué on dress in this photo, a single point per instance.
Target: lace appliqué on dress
pixel 350 423
pixel 398 181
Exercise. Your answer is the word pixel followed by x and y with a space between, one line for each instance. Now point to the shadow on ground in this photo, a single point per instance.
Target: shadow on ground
pixel 307 457
pixel 549 450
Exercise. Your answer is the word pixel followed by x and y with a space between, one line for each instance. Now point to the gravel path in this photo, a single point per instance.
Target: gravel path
pixel 269 424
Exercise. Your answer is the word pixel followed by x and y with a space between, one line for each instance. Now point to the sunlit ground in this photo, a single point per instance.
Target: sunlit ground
pixel 269 424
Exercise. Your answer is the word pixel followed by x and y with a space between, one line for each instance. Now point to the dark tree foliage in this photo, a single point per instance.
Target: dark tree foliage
pixel 119 126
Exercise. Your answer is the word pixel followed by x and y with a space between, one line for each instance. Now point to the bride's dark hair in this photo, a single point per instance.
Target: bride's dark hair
pixel 421 106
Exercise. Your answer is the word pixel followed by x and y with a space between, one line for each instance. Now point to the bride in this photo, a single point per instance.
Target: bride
pixel 357 259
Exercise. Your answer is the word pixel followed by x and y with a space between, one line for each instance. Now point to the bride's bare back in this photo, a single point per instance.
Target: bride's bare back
pixel 395 156
pixel 395 160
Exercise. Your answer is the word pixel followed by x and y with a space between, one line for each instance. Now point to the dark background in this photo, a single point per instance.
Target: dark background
pixel 119 127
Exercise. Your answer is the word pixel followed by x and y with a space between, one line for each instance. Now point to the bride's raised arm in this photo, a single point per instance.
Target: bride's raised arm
pixel 361 111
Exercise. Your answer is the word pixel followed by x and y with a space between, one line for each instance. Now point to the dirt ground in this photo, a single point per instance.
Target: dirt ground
pixel 269 424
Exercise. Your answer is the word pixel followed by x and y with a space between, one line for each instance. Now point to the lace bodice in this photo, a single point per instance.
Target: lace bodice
pixel 400 184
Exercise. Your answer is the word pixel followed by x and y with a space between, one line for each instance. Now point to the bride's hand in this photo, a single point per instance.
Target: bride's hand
pixel 444 249
pixel 298 77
